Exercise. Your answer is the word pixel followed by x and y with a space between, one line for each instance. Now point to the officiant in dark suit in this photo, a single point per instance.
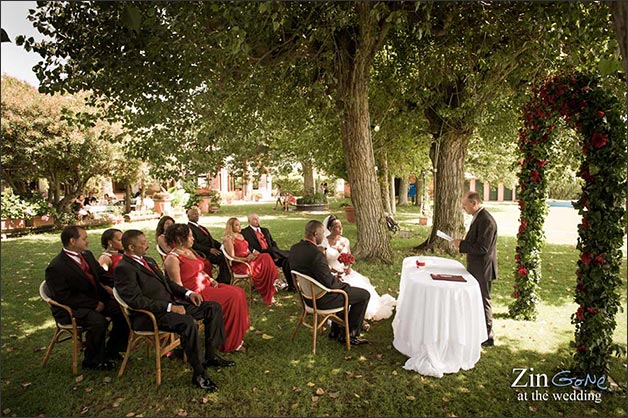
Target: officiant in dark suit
pixel 306 257
pixel 205 244
pixel 260 239
pixel 142 285
pixel 75 279
pixel 479 244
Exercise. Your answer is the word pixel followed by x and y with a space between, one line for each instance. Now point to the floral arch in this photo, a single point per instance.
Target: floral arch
pixel 597 116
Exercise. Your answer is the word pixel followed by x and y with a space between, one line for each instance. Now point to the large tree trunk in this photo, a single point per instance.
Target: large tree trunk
pixel 309 187
pixel 353 63
pixel 383 182
pixel 127 198
pixel 619 11
pixel 393 201
pixel 420 194
pixel 403 190
pixel 448 160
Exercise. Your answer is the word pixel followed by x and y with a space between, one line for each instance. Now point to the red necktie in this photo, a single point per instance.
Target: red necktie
pixel 85 267
pixel 261 239
pixel 202 228
pixel 145 263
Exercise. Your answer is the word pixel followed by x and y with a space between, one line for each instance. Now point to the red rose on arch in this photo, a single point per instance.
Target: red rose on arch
pixel 601 113
pixel 517 259
pixel 585 223
pixel 581 287
pixel 541 163
pixel 580 314
pixel 592 311
pixel 586 258
pixel 582 348
pixel 599 259
pixel 515 295
pixel 535 177
pixel 523 226
pixel 599 140
pixel 585 149
pixel 522 271
pixel 522 204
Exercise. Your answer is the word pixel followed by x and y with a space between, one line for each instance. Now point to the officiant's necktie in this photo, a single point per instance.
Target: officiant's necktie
pixel 262 239
pixel 202 228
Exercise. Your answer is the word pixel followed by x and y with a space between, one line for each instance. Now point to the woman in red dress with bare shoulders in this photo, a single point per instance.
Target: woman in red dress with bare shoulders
pixel 263 269
pixel 185 267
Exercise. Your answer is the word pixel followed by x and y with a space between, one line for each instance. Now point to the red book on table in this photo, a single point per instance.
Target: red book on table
pixel 448 277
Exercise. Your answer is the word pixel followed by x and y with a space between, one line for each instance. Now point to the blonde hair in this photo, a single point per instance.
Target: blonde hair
pixel 229 233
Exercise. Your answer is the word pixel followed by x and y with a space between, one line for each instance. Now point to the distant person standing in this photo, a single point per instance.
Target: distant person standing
pixel 277 196
pixel 480 247
pixel 412 193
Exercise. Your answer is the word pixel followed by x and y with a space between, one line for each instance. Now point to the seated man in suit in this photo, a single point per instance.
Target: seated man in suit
pixel 141 284
pixel 205 244
pixel 75 279
pixel 305 257
pixel 260 239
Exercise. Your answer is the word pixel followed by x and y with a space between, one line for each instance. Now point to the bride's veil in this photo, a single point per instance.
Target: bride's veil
pixel 325 221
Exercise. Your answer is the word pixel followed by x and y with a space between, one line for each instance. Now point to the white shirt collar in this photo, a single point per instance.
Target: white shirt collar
pixel 73 255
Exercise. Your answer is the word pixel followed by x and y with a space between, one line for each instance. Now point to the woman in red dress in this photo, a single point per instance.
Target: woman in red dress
pixel 263 269
pixel 111 241
pixel 185 267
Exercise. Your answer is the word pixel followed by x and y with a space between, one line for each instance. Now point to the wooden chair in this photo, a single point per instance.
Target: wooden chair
pixel 68 331
pixel 312 290
pixel 161 253
pixel 162 341
pixel 239 279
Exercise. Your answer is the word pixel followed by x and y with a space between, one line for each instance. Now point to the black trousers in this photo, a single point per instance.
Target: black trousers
pixel 223 273
pixel 485 289
pixel 95 324
pixel 358 301
pixel 187 328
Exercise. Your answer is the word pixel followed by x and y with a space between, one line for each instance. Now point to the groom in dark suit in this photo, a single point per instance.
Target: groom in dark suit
pixel 141 284
pixel 75 279
pixel 480 247
pixel 260 239
pixel 305 257
pixel 205 244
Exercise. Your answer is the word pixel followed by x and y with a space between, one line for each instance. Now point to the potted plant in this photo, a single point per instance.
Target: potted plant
pixel 349 212
pixel 14 211
pixel 214 201
pixel 162 202
pixel 317 201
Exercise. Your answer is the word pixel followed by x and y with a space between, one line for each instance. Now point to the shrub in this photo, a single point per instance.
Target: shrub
pixel 316 198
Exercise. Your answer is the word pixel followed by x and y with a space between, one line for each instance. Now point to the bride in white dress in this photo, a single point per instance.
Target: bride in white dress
pixel 379 307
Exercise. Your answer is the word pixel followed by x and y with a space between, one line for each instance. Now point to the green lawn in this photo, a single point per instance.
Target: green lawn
pixel 279 377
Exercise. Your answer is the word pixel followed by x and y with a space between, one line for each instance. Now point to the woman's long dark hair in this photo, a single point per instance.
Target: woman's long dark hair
pixel 160 225
pixel 108 236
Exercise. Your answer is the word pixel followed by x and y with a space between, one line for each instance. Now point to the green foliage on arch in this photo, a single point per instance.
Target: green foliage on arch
pixel 597 117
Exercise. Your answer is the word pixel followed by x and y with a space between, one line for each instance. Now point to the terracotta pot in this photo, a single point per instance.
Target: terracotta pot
pixel 350 214
pixel 8 224
pixel 38 221
pixel 205 203
pixel 162 206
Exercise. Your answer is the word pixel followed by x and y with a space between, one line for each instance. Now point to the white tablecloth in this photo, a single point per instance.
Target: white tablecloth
pixel 438 324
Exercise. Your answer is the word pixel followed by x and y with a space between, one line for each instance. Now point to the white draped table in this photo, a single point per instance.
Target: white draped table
pixel 438 324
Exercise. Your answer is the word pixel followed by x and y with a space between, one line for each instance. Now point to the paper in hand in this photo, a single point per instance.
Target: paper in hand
pixel 443 235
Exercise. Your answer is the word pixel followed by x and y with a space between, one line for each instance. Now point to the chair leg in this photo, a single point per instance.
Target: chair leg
pixel 347 335
pixel 50 347
pixel 294 334
pixel 315 331
pixel 75 352
pixel 129 347
pixel 158 360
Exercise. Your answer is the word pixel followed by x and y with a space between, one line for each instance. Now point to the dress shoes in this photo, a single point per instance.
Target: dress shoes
pixel 218 362
pixel 102 366
pixel 353 340
pixel 489 343
pixel 205 383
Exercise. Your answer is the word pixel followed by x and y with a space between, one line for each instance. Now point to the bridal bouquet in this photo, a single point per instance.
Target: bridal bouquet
pixel 346 258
